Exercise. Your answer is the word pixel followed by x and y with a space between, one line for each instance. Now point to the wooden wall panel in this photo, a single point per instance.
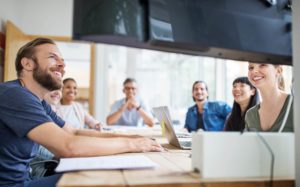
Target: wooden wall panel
pixel 15 39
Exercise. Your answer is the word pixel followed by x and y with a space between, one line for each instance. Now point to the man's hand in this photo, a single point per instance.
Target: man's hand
pixel 98 127
pixel 144 145
pixel 132 103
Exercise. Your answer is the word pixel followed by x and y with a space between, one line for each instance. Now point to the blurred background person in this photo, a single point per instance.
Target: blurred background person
pixel 73 112
pixel 206 115
pixel 245 97
pixel 53 98
pixel 131 110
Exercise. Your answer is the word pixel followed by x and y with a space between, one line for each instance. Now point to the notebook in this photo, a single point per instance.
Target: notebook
pixel 163 115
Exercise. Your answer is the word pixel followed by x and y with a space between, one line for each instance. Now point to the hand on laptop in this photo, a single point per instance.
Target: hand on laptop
pixel 184 130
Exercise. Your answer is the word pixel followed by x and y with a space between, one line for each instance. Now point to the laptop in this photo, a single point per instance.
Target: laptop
pixel 163 115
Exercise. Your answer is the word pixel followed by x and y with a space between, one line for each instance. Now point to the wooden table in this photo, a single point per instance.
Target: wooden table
pixel 174 170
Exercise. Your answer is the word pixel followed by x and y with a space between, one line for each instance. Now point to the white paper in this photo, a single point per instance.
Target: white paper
pixel 105 163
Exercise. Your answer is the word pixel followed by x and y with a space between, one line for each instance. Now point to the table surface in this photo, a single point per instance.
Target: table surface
pixel 174 170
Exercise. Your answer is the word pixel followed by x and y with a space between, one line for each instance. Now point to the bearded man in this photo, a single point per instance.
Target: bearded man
pixel 205 115
pixel 26 120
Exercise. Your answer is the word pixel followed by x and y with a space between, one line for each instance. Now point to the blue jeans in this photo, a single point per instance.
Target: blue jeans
pixel 41 182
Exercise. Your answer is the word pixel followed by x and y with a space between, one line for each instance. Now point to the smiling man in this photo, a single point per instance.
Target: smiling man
pixel 131 110
pixel 206 115
pixel 26 120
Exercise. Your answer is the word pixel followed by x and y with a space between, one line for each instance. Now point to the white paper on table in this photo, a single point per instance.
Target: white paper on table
pixel 105 163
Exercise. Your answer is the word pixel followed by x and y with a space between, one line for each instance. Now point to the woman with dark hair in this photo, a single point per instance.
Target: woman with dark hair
pixel 72 111
pixel 245 97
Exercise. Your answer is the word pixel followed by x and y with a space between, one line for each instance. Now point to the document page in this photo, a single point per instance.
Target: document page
pixel 105 163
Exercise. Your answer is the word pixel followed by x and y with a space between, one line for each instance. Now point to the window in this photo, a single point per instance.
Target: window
pixel 77 58
pixel 165 78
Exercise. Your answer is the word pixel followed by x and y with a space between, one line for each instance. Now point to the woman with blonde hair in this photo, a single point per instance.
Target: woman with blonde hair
pixel 275 112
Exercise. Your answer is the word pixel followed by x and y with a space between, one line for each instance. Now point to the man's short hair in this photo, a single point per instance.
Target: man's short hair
pixel 128 80
pixel 28 51
pixel 197 82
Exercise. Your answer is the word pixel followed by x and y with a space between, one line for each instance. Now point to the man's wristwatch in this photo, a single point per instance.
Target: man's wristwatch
pixel 138 108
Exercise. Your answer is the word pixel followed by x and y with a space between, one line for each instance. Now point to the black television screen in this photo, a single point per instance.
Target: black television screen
pixel 112 21
pixel 250 30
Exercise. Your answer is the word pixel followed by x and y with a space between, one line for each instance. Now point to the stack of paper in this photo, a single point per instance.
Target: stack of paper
pixel 105 162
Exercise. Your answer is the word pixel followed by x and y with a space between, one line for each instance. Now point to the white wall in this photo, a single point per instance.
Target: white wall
pixel 8 10
pixel 39 17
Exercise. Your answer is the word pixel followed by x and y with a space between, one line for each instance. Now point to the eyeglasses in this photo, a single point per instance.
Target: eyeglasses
pixel 130 88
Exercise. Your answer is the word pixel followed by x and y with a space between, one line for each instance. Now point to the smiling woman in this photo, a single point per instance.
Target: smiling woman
pixel 275 112
pixel 245 96
pixel 73 112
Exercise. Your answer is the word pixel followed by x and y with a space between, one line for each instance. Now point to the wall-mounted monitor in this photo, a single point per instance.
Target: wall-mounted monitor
pixel 250 30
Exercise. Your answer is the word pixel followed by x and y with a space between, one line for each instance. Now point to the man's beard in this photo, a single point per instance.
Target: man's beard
pixel 45 79
pixel 200 99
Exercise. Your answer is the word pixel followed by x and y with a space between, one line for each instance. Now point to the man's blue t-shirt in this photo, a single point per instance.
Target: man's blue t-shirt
pixel 20 112
pixel 214 116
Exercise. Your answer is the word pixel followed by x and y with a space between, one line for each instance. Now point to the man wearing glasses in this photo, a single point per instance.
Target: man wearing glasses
pixel 131 110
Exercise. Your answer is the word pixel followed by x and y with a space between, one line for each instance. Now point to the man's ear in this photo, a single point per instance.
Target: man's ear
pixel 279 69
pixel 27 64
pixel 123 90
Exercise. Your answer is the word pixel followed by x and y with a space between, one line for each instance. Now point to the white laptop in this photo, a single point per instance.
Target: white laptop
pixel 163 115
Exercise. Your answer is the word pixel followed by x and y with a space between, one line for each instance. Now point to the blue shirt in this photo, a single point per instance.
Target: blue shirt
pixel 20 112
pixel 129 117
pixel 213 116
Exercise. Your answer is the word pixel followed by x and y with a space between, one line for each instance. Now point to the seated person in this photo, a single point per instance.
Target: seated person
pixel 27 121
pixel 73 112
pixel 206 115
pixel 245 97
pixel 269 115
pixel 53 99
pixel 131 110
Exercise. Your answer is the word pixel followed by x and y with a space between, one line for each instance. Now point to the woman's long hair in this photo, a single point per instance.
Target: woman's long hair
pixel 236 121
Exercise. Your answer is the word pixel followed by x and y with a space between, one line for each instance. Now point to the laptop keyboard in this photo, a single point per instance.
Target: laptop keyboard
pixel 183 135
pixel 186 144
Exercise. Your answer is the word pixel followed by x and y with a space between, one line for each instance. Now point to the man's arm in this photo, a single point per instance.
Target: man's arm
pixel 65 143
pixel 94 133
pixel 114 117
pixel 140 107
pixel 226 110
pixel 148 120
